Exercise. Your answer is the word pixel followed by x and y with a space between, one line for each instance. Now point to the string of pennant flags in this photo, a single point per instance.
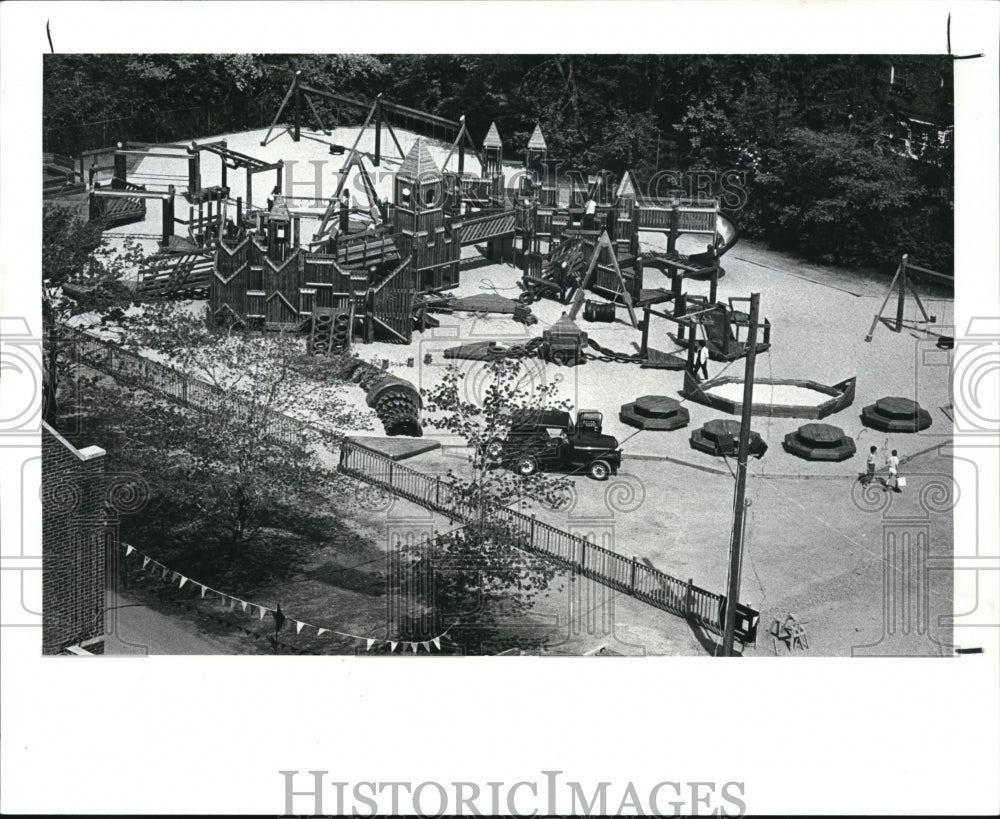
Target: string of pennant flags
pixel 231 601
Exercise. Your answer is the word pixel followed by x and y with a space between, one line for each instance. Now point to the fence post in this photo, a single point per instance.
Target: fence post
pixel 583 553
pixel 689 596
pixel 437 490
pixel 635 565
pixel 184 390
pixel 390 473
pixel 343 456
pixel 531 536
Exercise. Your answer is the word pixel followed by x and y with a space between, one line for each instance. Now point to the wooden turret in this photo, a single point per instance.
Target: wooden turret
pixel 493 164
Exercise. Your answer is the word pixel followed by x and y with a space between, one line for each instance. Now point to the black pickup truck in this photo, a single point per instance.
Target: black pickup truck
pixel 549 441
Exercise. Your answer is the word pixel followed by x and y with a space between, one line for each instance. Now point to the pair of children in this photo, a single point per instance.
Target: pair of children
pixel 892 462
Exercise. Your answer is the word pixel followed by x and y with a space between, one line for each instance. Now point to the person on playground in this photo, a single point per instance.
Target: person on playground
pixel 893 463
pixel 589 212
pixel 701 362
pixel 870 464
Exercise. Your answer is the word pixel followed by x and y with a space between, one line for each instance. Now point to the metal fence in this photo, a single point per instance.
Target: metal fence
pixel 131 368
pixel 429 491
pixel 571 551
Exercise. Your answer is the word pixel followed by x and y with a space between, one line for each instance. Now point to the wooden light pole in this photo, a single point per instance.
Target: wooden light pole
pixel 736 545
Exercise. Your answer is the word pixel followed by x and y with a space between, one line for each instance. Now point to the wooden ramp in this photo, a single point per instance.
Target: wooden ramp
pixel 184 275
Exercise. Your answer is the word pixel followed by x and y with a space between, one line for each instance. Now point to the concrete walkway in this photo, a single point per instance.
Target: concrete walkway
pixel 135 630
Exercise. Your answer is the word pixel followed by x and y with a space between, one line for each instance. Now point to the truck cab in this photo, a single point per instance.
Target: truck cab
pixel 549 441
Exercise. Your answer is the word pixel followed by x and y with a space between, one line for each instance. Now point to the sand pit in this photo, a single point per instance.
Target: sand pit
pixel 790 395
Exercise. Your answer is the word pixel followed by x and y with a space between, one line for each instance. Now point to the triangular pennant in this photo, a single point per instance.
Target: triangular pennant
pixel 427 646
pixel 145 562
pixel 392 646
pixel 244 604
pixel 370 642
pixel 203 590
pixel 414 647
pixel 263 611
pixel 437 643
pixel 166 571
pixel 321 631
pixel 183 581
pixel 129 550
pixel 298 626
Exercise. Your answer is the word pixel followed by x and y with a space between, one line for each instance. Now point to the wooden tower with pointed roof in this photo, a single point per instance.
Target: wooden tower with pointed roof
pixel 492 152
pixel 493 165
pixel 537 151
pixel 419 221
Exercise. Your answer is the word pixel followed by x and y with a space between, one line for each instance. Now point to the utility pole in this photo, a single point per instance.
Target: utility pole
pixel 736 545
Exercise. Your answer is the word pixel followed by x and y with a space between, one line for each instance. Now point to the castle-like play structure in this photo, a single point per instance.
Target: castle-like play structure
pixel 378 270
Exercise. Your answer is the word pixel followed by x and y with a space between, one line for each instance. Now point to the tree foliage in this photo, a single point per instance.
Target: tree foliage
pixel 646 113
pixel 482 578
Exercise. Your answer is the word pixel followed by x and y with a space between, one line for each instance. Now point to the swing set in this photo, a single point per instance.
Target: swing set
pixel 901 282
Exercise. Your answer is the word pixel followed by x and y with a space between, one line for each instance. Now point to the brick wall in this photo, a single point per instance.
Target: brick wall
pixel 75 535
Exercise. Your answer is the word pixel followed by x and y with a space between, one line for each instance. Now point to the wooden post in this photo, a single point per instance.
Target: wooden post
pixel 901 301
pixel 689 596
pixel 167 224
pixel 714 284
pixel 644 346
pixel 680 310
pixel 461 145
pixel 249 191
pixel 194 171
pixel 583 553
pixel 531 534
pixel 378 132
pixel 296 132
pixel 635 566
pixel 225 184
pixel 736 547
pixel 121 169
pixel 280 172
pixel 239 211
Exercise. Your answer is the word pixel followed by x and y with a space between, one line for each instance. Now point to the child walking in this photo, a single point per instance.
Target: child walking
pixel 870 463
pixel 893 463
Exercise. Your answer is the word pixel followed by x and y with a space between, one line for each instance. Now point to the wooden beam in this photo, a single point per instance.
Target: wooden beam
pixel 281 109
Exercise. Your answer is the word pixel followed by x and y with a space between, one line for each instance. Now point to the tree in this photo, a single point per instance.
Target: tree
pixel 82 275
pixel 482 574
pixel 227 496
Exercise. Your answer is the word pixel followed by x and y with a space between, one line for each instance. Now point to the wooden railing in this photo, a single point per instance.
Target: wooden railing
pixel 571 551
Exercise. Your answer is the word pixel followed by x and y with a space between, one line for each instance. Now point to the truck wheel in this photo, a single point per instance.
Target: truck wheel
pixel 494 449
pixel 526 466
pixel 599 470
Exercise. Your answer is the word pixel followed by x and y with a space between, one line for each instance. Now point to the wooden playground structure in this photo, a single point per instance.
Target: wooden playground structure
pixel 372 267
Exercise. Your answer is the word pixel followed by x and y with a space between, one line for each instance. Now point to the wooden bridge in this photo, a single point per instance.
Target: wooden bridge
pixel 490 226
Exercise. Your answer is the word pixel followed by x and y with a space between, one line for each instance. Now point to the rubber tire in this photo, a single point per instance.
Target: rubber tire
pixel 525 467
pixel 526 298
pixel 599 470
pixel 494 449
